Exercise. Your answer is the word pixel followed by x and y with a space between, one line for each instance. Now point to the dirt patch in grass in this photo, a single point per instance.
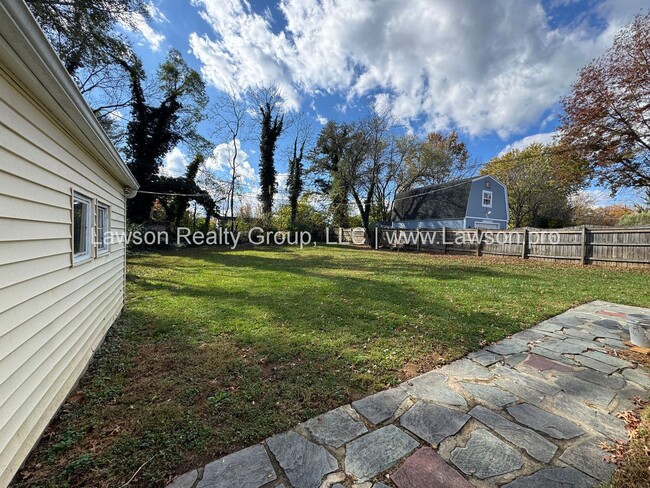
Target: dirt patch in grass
pixel 423 364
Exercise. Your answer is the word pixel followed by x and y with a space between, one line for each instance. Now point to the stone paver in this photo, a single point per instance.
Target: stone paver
pixel 485 456
pixel 554 478
pixel 523 392
pixel 543 421
pixel 377 451
pixel 638 376
pixel 548 326
pixel 587 344
pixel 433 387
pixel 508 346
pixel 249 467
pixel 186 480
pixel 574 409
pixel 586 391
pixel 515 359
pixel 602 332
pixel 580 334
pixel 588 458
pixel 381 406
pixel 491 394
pixel 594 364
pixel 565 370
pixel 608 324
pixel 608 359
pixel 426 469
pixel 304 462
pixel 433 423
pixel 626 398
pixel 528 335
pixel 561 346
pixel 526 380
pixel 540 351
pixel 614 381
pixel 541 363
pixel 613 343
pixel 484 358
pixel 529 440
pixel 335 428
pixel 467 370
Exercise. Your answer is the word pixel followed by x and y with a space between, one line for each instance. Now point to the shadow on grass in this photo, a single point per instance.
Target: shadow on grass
pixel 217 350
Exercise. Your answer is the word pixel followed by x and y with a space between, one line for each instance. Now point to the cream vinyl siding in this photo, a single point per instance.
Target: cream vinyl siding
pixel 52 315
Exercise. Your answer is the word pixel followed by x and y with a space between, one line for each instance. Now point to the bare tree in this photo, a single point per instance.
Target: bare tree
pixel 395 176
pixel 230 118
pixel 412 161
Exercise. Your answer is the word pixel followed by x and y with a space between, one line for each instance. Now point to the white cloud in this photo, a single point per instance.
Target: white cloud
pixel 599 197
pixel 482 66
pixel 320 119
pixel 136 23
pixel 542 138
pixel 219 163
pixel 282 179
pixel 175 163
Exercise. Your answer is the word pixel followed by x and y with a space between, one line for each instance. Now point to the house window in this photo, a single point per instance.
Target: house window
pixel 103 228
pixel 82 228
pixel 487 198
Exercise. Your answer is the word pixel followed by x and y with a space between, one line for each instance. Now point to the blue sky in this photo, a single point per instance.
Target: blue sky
pixel 493 70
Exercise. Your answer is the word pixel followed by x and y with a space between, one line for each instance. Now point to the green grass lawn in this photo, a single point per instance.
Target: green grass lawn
pixel 217 350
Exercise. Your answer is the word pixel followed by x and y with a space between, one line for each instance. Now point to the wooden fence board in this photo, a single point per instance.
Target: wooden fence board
pixel 615 246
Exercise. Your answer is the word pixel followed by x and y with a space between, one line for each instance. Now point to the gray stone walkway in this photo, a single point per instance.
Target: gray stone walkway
pixel 528 411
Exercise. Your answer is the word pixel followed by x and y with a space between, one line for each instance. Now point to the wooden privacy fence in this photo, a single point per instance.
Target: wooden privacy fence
pixel 623 245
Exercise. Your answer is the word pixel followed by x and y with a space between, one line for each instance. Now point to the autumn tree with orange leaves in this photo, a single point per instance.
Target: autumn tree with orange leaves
pixel 607 114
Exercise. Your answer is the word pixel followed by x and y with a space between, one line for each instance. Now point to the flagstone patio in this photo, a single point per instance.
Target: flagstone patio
pixel 528 411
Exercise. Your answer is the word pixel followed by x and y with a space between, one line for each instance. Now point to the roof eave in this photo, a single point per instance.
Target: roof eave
pixel 60 93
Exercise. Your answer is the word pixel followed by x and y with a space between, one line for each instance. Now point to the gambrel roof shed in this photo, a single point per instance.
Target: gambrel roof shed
pixel 480 201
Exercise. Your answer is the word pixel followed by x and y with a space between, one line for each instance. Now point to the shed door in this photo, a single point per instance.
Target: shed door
pixel 486 225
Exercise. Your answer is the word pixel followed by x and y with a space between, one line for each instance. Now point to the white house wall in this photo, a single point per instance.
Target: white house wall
pixel 52 314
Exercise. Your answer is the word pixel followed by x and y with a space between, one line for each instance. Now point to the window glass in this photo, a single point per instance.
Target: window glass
pixel 487 198
pixel 82 227
pixel 103 227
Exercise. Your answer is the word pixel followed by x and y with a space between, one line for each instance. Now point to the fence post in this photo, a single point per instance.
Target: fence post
pixel 444 240
pixel 479 237
pixel 583 247
pixel 525 246
pixel 418 237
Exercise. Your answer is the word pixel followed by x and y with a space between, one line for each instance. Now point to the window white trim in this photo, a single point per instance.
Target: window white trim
pixel 103 227
pixel 488 194
pixel 84 232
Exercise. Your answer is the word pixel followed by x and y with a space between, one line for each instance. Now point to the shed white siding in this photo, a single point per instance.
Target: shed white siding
pixel 53 315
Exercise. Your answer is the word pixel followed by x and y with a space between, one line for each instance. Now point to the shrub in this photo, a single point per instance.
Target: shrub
pixel 636 219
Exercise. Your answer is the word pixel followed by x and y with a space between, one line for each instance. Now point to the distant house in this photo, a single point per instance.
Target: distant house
pixel 62 185
pixel 480 202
